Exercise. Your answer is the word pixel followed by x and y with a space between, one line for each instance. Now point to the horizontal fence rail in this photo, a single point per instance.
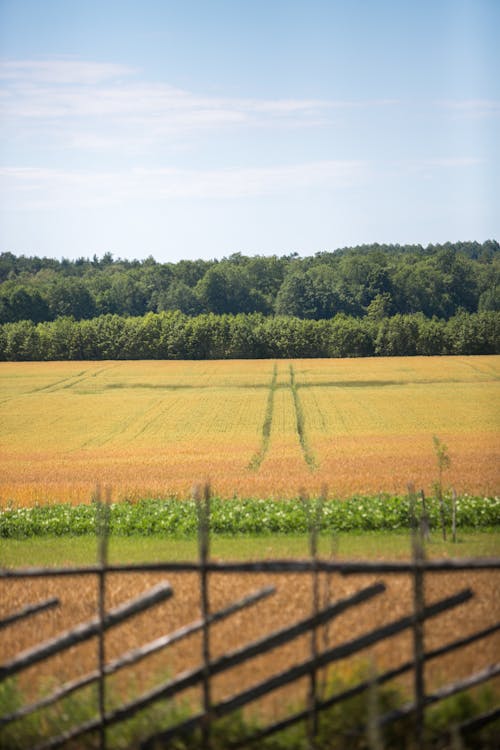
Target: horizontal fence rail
pixel 201 676
pixel 268 566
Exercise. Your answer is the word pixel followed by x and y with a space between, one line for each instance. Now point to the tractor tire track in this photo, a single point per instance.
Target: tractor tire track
pixel 158 416
pixel 58 385
pixel 258 457
pixel 307 453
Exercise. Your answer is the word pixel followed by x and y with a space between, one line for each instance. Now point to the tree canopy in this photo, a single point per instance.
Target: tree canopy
pixel 370 280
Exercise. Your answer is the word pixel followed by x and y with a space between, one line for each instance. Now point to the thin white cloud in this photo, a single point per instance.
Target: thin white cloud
pixel 28 188
pixel 76 72
pixel 231 183
pixel 472 108
pixel 34 188
pixel 450 162
pixel 91 103
pixel 434 166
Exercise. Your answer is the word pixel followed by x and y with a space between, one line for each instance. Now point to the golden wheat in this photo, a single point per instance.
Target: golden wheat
pixel 156 428
pixel 370 424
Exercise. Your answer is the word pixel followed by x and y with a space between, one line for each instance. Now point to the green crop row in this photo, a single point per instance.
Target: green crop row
pixel 178 518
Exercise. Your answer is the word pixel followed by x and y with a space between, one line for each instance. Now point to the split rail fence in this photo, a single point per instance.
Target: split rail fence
pixel 417 568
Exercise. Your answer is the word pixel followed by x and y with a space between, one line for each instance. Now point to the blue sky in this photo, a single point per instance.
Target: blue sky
pixel 186 129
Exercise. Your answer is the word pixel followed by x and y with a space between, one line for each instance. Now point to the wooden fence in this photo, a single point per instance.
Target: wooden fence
pixel 417 568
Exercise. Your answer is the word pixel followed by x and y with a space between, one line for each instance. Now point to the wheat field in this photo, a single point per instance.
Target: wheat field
pixel 253 428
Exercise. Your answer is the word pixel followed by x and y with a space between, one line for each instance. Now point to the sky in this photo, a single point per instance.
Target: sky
pixel 188 129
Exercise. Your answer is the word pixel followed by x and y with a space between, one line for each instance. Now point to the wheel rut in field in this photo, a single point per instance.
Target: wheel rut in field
pixel 307 453
pixel 258 457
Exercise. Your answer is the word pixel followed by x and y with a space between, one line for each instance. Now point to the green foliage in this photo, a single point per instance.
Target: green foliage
pixel 174 335
pixel 78 709
pixel 340 727
pixel 180 296
pixel 69 296
pixel 375 299
pixel 442 455
pixel 177 518
pixel 375 280
pixel 22 303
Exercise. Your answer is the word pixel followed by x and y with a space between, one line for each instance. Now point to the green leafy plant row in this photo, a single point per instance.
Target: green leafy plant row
pixel 178 518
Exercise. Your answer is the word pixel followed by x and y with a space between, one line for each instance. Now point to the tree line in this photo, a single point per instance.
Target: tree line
pixel 370 282
pixel 175 335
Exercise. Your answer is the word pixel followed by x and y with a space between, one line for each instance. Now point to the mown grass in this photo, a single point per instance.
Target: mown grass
pixel 62 550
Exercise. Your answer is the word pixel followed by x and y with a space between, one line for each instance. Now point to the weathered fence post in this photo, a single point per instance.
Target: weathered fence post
pixel 424 520
pixel 373 729
pixel 313 512
pixel 327 594
pixel 418 624
pixel 454 516
pixel 203 509
pixel 456 739
pixel 102 527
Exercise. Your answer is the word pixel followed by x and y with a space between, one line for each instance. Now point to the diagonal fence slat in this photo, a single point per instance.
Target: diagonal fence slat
pixel 478 722
pixel 135 655
pixel 303 669
pixel 488 673
pixel 28 611
pixel 194 677
pixel 159 593
pixel 360 687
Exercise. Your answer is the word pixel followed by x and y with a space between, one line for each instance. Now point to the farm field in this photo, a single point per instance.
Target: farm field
pixel 253 428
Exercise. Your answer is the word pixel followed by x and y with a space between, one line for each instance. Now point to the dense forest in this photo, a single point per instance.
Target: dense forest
pixel 374 280
pixel 372 299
